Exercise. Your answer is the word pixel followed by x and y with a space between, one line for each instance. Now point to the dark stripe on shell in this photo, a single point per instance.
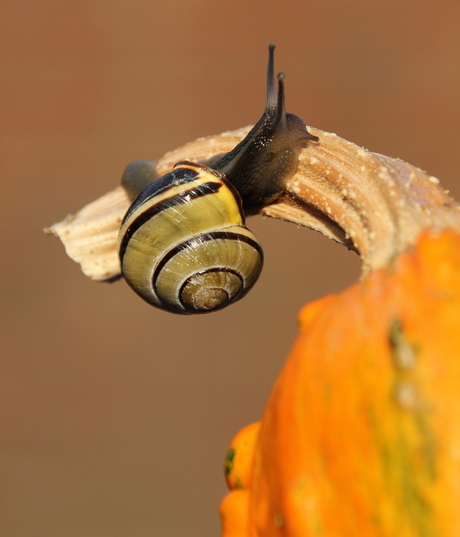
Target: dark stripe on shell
pixel 180 175
pixel 173 201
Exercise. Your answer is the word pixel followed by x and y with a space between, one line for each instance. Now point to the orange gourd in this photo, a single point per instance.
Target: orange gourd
pixel 240 457
pixel 234 513
pixel 239 462
pixel 361 435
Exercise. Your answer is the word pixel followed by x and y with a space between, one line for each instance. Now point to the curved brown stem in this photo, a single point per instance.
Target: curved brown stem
pixel 373 204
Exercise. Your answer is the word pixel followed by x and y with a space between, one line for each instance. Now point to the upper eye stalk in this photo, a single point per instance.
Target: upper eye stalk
pixel 183 243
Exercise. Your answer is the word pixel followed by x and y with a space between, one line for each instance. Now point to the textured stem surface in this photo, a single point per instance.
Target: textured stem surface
pixel 373 204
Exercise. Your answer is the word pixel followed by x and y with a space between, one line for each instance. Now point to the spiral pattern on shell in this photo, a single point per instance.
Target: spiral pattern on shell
pixel 183 243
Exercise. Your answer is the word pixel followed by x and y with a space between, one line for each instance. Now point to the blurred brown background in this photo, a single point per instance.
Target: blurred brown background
pixel 115 417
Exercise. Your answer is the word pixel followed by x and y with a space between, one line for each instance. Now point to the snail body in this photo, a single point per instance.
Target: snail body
pixel 183 243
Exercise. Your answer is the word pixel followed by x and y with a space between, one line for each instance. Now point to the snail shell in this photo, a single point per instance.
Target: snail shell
pixel 183 243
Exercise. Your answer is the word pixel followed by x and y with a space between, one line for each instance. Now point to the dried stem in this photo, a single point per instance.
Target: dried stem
pixel 373 204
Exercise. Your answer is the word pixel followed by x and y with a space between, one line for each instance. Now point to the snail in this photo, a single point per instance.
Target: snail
pixel 183 243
